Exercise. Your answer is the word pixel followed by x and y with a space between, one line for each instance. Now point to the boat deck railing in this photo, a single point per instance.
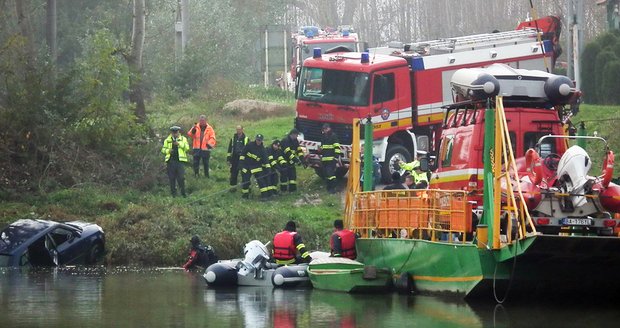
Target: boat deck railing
pixel 436 215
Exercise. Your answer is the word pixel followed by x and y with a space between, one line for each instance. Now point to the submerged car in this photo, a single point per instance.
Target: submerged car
pixel 47 243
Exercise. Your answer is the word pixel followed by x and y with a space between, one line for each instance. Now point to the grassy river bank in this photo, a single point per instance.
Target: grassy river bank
pixel 144 225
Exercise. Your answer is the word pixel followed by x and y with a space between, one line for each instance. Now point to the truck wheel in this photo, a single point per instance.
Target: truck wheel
pixel 394 153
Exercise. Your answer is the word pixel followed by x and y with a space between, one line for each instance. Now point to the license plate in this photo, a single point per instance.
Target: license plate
pixel 579 222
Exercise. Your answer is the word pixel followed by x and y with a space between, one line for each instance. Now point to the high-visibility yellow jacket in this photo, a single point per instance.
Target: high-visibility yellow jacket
pixel 183 148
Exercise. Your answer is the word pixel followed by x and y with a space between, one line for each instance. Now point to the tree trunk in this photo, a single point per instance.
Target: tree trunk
pixel 50 30
pixel 134 60
pixel 25 30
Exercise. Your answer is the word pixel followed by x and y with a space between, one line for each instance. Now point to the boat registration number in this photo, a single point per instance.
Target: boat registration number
pixel 580 222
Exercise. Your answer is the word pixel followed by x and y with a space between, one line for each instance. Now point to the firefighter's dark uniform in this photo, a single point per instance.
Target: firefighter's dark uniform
pixel 293 154
pixel 330 154
pixel 235 148
pixel 254 162
pixel 275 157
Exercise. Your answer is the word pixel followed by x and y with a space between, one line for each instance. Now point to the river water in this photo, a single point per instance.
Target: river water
pixel 126 297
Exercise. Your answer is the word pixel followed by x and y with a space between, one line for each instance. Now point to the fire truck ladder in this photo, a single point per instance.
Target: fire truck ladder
pixel 469 42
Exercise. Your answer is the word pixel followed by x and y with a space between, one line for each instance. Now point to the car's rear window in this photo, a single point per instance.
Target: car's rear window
pixel 13 236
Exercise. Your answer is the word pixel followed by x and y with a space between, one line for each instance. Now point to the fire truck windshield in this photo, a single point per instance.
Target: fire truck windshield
pixel 334 87
pixel 307 48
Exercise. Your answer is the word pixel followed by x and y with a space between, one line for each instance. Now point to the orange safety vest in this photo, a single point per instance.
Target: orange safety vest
pixel 207 139
pixel 347 243
pixel 284 245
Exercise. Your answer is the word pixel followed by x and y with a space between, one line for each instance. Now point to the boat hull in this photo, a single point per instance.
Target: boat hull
pixel 344 275
pixel 544 265
pixel 227 274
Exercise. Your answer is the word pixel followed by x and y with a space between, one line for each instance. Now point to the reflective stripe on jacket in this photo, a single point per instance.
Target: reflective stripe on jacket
pixel 236 145
pixel 207 139
pixel 183 148
pixel 253 156
pixel 330 148
pixel 291 149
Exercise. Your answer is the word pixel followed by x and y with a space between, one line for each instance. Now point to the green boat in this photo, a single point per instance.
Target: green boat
pixel 345 275
pixel 425 238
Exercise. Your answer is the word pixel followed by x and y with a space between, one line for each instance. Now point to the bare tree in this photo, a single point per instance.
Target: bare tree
pixel 134 59
pixel 50 29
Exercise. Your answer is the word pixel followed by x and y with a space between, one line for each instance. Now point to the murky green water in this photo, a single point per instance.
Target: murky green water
pixel 121 297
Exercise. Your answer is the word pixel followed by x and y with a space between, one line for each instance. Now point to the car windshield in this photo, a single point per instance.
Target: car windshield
pixel 308 48
pixel 334 86
pixel 14 235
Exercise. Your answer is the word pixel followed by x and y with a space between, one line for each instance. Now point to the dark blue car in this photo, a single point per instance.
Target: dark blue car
pixel 48 243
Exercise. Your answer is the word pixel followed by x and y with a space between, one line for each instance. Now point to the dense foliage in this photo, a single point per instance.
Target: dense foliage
pixel 601 70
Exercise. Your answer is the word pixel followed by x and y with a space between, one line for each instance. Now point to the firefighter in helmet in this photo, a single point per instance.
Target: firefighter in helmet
pixel 294 155
pixel 254 162
pixel 288 247
pixel 275 158
pixel 235 148
pixel 330 156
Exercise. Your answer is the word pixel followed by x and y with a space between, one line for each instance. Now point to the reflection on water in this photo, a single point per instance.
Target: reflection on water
pixel 121 297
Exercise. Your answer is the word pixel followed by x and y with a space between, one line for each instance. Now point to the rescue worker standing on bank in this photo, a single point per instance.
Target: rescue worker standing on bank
pixel 342 241
pixel 286 245
pixel 175 148
pixel 235 148
pixel 293 154
pixel 330 156
pixel 253 159
pixel 203 137
pixel 275 157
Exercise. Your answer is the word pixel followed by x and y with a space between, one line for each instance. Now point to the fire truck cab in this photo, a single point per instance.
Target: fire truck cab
pixel 402 90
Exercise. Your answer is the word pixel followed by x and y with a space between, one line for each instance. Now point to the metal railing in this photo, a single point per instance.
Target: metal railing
pixel 436 215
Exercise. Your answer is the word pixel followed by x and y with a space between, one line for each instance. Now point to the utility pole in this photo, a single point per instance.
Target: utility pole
pixel 574 42
pixel 181 28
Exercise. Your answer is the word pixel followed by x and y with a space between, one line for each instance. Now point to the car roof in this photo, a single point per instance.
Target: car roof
pixel 20 231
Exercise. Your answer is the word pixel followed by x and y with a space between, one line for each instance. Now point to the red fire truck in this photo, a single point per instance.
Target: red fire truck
pixel 343 38
pixel 559 188
pixel 403 89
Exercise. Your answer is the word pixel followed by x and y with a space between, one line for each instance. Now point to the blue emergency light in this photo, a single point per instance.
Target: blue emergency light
pixel 316 53
pixel 365 57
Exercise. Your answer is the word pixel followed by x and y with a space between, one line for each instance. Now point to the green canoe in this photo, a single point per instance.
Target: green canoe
pixel 345 275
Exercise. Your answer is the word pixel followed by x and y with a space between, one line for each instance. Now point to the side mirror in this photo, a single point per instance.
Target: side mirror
pixel 75 234
pixel 424 164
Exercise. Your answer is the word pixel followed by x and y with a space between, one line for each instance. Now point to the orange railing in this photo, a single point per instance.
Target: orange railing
pixel 425 214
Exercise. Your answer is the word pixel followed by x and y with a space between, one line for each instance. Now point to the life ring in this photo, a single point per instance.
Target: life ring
pixel 608 169
pixel 534 166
